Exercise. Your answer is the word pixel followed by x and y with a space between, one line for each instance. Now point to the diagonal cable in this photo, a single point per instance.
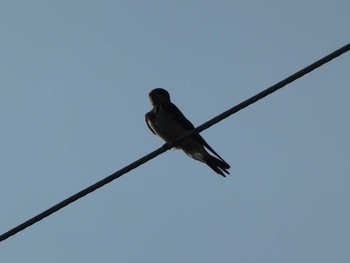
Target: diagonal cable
pixel 169 145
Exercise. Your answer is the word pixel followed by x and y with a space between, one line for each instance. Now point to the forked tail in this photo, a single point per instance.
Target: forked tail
pixel 218 165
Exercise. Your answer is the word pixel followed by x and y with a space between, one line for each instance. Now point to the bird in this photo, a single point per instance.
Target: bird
pixel 168 122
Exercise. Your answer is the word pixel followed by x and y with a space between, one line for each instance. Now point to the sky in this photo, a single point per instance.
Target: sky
pixel 74 82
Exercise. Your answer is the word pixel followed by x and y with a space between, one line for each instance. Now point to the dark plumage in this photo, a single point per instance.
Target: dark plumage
pixel 168 122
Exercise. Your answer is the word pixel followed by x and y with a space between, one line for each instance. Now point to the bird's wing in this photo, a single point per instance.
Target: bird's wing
pixel 174 111
pixel 149 117
pixel 206 145
pixel 187 125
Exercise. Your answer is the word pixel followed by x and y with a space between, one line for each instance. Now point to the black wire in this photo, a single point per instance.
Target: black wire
pixel 169 145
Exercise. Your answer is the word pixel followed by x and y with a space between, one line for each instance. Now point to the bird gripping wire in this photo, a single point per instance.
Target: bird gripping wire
pixel 169 145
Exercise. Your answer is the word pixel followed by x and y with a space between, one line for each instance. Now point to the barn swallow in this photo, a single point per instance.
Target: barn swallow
pixel 168 122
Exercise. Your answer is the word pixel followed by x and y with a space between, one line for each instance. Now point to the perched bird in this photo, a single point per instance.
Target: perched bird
pixel 168 122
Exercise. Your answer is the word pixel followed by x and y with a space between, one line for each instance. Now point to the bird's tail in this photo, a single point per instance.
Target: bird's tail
pixel 219 166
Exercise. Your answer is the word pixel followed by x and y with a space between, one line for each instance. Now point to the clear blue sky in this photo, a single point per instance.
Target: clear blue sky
pixel 74 82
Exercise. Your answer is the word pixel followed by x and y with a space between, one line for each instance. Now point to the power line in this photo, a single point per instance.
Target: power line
pixel 169 145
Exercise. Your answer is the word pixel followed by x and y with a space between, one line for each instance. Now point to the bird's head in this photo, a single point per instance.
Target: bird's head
pixel 159 96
